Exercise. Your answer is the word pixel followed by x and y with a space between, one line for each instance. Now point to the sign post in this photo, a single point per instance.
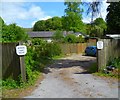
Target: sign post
pixel 21 50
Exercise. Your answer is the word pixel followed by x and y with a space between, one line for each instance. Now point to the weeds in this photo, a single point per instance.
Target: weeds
pixel 38 56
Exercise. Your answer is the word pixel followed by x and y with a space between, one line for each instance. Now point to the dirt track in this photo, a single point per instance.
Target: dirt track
pixel 67 78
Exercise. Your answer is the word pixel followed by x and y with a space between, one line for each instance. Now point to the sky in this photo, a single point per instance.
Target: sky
pixel 25 13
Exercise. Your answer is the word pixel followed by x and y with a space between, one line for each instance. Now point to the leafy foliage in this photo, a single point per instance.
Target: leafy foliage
pixel 97 28
pixel 80 39
pixel 39 26
pixel 58 36
pixel 113 18
pixel 54 23
pixel 39 54
pixel 72 21
pixel 114 62
pixel 13 33
pixel 72 38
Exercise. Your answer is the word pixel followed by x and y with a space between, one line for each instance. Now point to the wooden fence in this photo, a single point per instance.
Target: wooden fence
pixel 111 50
pixel 74 47
pixel 10 61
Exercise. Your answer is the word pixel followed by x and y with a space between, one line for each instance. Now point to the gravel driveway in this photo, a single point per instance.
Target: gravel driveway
pixel 67 78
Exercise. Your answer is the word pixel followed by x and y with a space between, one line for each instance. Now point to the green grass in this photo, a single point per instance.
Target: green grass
pixel 106 75
pixel 58 57
pixel 94 70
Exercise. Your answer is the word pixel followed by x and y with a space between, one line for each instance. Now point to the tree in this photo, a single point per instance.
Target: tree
pixel 39 26
pixel 100 22
pixel 97 28
pixel 58 36
pixel 54 23
pixel 72 20
pixel 94 8
pixel 113 18
pixel 13 33
pixel 100 26
pixel 70 38
pixel 57 23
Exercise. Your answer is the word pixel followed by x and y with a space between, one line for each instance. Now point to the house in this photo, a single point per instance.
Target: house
pixel 46 35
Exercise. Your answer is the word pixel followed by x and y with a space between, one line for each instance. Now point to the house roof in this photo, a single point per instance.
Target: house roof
pixel 41 34
pixel 49 34
pixel 115 36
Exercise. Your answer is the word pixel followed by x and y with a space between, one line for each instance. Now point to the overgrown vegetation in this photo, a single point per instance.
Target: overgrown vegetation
pixel 39 54
pixel 69 38
pixel 114 73
pixel 114 62
pixel 11 32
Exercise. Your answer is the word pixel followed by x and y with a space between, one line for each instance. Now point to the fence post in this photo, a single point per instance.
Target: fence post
pixel 101 56
pixel 22 66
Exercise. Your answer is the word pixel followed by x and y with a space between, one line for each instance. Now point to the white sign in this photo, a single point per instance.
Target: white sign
pixel 21 50
pixel 100 45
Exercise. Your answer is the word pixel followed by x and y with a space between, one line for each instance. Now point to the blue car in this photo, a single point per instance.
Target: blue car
pixel 91 50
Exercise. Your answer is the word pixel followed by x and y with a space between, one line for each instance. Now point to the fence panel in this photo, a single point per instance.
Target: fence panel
pixel 111 50
pixel 68 48
pixel 10 61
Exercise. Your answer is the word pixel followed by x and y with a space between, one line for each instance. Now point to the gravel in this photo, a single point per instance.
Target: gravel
pixel 67 79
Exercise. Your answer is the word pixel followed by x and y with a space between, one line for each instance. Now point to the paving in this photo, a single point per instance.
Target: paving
pixel 68 78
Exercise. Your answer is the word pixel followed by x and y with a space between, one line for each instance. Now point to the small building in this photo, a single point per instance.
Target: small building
pixel 46 35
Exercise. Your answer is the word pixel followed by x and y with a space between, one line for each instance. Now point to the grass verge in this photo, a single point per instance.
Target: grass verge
pixel 23 91
pixel 94 70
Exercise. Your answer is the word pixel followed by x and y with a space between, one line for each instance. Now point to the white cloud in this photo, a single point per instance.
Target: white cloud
pixel 45 18
pixel 86 19
pixel 12 12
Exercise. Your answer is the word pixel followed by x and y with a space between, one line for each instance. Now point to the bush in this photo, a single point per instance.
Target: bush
pixel 58 36
pixel 114 62
pixel 70 38
pixel 38 56
pixel 13 33
pixel 80 39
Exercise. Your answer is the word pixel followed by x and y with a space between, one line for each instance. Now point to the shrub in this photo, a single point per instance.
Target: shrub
pixel 70 38
pixel 13 33
pixel 58 36
pixel 37 57
pixel 114 62
pixel 80 39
